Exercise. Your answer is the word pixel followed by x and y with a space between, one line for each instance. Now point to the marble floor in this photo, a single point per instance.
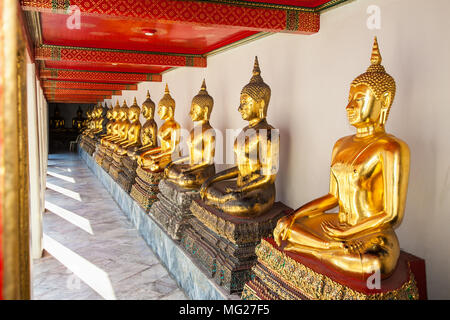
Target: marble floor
pixel 91 249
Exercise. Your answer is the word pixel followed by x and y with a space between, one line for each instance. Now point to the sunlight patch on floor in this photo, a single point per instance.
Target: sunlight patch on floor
pixel 64 191
pixel 60 176
pixel 70 216
pixel 89 273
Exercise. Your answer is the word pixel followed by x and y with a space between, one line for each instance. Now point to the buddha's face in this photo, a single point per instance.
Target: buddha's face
pixel 197 112
pixel 147 111
pixel 249 107
pixel 133 115
pixel 164 112
pixel 121 114
pixel 109 115
pixel 363 108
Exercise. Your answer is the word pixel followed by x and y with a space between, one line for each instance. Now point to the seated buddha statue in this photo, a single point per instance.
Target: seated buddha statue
pixel 201 146
pixel 86 122
pixel 156 159
pixel 253 191
pixel 122 128
pixel 97 121
pixel 109 123
pixel 77 122
pixel 90 122
pixel 134 130
pixel 114 126
pixel 368 185
pixel 57 121
pixel 149 130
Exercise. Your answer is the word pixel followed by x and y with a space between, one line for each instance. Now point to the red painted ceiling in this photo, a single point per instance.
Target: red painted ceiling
pixel 127 34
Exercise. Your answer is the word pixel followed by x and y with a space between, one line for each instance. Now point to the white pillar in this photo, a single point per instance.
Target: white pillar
pixel 34 164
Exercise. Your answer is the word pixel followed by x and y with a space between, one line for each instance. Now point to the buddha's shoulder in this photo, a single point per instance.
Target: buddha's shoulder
pixel 390 142
pixel 149 123
pixel 343 140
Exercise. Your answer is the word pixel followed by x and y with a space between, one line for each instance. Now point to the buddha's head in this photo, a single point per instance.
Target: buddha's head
pixel 133 112
pixel 148 108
pixel 109 113
pixel 166 106
pixel 56 112
pixel 116 111
pixel 371 94
pixel 202 105
pixel 123 113
pixel 99 111
pixel 255 96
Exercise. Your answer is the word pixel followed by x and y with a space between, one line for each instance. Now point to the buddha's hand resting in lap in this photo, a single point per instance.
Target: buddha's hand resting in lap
pixel 334 231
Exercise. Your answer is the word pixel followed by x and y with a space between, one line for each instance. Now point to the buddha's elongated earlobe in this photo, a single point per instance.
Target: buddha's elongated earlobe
pixel 385 106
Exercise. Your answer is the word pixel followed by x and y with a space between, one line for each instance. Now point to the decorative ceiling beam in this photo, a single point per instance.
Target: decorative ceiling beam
pixel 52 97
pixel 74 101
pixel 113 56
pixel 260 17
pixel 87 85
pixel 58 91
pixel 63 74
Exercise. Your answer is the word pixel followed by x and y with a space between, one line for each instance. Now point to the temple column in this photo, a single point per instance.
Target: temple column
pixel 34 164
pixel 14 201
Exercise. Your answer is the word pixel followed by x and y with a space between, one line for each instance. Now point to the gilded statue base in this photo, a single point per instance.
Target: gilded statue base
pixel 172 209
pixel 282 275
pixel 88 144
pixel 224 245
pixel 116 166
pixel 128 175
pixel 145 189
pixel 107 160
pixel 99 154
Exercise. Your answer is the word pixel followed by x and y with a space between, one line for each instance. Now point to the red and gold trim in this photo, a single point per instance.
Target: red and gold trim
pixel 225 14
pixel 87 85
pixel 72 54
pixel 98 76
pixel 81 92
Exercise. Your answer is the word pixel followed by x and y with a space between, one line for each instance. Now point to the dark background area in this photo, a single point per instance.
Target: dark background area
pixel 59 139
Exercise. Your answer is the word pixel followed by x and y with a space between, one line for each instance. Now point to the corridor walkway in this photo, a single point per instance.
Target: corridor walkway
pixel 92 251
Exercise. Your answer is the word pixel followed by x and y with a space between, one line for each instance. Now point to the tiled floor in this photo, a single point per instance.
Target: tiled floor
pixel 92 251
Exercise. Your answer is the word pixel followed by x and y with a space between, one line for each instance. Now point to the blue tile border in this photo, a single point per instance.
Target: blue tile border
pixel 184 270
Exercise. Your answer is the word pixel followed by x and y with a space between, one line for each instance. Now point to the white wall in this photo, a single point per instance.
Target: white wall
pixel 310 77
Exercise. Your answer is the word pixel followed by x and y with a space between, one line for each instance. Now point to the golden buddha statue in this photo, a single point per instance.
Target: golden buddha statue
pixel 90 124
pixel 87 123
pixel 57 121
pixel 114 126
pixel 368 182
pixel 253 193
pixel 122 128
pixel 149 130
pixel 201 146
pixel 157 158
pixel 98 120
pixel 134 130
pixel 110 123
pixel 78 121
